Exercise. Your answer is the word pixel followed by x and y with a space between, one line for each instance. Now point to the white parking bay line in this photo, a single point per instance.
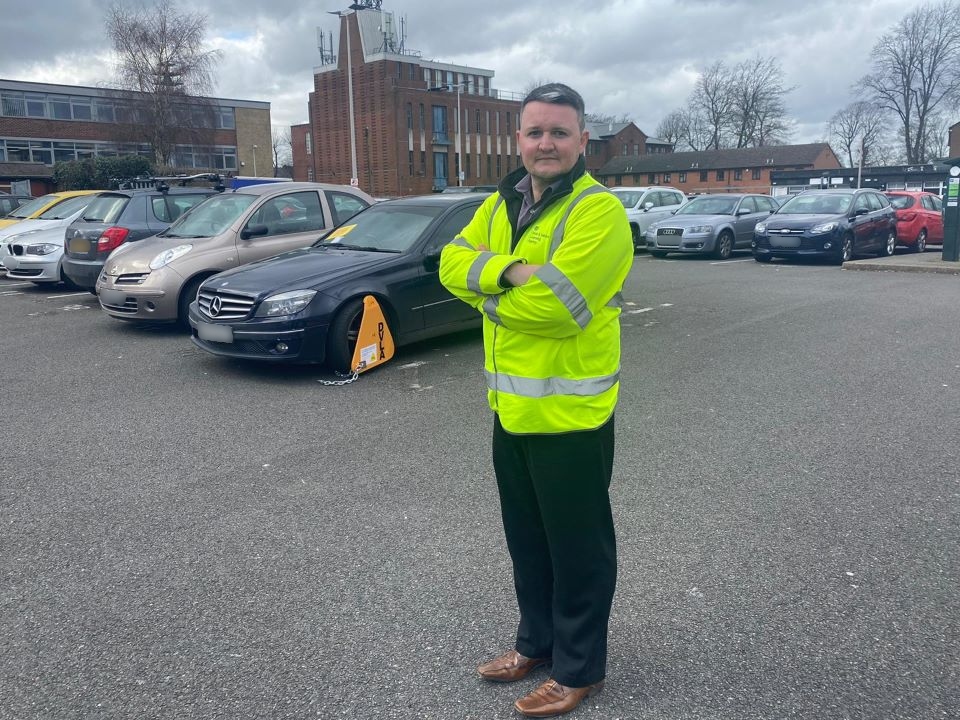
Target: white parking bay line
pixel 13 284
pixel 12 292
pixel 65 295
pixel 730 262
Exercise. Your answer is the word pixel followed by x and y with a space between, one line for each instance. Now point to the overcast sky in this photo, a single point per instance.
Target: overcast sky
pixel 634 58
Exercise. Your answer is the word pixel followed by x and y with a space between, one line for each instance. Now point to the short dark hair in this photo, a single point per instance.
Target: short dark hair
pixel 557 94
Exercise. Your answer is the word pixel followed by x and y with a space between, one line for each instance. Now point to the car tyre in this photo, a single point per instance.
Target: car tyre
pixel 187 296
pixel 68 283
pixel 637 237
pixel 724 245
pixel 342 339
pixel 658 253
pixel 846 249
pixel 921 244
pixel 889 245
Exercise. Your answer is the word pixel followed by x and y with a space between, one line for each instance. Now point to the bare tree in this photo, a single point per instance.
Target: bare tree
pixel 160 55
pixel 937 140
pixel 857 129
pixel 282 148
pixel 672 128
pixel 757 115
pixel 606 118
pixel 916 71
pixel 712 102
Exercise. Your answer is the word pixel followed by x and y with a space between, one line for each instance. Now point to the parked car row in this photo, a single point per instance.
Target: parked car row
pixel 837 223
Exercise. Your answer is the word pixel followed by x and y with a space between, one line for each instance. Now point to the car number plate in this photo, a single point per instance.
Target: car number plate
pixel 79 245
pixel 784 242
pixel 214 333
pixel 669 231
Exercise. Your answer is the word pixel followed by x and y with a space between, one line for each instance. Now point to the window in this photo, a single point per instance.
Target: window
pixel 440 169
pixel 636 149
pixel 666 177
pixel 168 208
pixel 60 107
pixel 755 173
pixel 423 122
pixel 439 123
pixel 721 175
pixel 410 163
pixel 618 179
pixel 423 162
pixel 344 206
pixel 409 116
pixel 478 122
pixel 738 174
pixel 625 149
pixel 450 228
pixel 748 204
pixel 703 176
pixel 651 178
pixel 309 142
pixel 682 177
pixel 499 168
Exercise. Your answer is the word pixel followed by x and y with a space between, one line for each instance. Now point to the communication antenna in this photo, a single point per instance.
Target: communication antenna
pixel 325 46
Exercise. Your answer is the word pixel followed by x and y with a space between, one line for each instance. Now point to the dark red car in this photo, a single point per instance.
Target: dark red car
pixel 919 218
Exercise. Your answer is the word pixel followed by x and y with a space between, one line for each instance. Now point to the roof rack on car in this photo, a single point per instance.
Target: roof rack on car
pixel 163 183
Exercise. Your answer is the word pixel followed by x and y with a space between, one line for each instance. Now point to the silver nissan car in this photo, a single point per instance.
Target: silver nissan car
pixel 156 279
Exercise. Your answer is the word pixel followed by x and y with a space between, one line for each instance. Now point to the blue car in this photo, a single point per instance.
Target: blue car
pixel 837 224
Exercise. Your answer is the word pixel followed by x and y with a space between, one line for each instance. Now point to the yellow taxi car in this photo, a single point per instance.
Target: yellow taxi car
pixel 36 207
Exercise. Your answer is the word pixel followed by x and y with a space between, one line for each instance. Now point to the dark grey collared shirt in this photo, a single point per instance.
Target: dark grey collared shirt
pixel 528 208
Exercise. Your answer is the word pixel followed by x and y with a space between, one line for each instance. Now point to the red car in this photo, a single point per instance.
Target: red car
pixel 919 218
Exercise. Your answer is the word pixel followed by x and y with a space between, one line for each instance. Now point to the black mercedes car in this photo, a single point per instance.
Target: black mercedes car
pixel 837 224
pixel 305 306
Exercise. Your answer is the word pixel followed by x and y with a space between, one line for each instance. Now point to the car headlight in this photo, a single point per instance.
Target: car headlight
pixel 824 228
pixel 652 228
pixel 700 229
pixel 287 303
pixel 760 228
pixel 168 256
pixel 42 249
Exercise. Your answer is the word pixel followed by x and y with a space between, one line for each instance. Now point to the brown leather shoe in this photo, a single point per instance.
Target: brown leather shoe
pixel 552 698
pixel 509 667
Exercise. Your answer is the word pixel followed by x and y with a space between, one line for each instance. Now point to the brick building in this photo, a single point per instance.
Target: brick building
pixel 619 140
pixel 41 124
pixel 406 136
pixel 734 170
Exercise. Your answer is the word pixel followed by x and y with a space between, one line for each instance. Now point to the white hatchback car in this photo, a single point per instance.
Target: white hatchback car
pixel 646 205
pixel 36 256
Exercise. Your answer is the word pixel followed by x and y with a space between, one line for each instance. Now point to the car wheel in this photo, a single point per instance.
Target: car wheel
pixel 921 244
pixel 762 258
pixel 637 237
pixel 846 249
pixel 187 296
pixel 890 245
pixel 342 339
pixel 724 246
pixel 658 253
pixel 68 283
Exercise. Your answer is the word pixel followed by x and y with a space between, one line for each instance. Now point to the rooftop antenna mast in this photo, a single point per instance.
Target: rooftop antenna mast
pixel 325 46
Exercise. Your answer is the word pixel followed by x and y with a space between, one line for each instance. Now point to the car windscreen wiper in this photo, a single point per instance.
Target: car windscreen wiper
pixel 367 248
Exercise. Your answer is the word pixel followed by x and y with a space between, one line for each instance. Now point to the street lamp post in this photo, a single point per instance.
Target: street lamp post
pixel 459 87
pixel 353 129
pixel 255 161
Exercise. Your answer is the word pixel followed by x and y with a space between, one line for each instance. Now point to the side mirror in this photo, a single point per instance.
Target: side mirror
pixel 743 211
pixel 253 231
pixel 861 211
pixel 647 205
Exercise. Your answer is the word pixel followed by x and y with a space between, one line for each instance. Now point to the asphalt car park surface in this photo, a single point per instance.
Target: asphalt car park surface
pixel 185 536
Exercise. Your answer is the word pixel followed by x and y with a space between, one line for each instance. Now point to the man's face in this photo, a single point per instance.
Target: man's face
pixel 549 140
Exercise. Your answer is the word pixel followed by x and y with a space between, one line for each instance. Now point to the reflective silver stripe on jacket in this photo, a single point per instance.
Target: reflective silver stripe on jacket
pixel 490 306
pixel 558 231
pixel 476 269
pixel 547 387
pixel 616 301
pixel 493 214
pixel 567 293
pixel 459 241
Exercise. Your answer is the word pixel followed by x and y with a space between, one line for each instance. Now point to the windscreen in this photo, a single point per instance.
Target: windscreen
pixel 816 204
pixel 390 228
pixel 211 217
pixel 105 208
pixel 29 208
pixel 66 208
pixel 628 197
pixel 901 202
pixel 709 205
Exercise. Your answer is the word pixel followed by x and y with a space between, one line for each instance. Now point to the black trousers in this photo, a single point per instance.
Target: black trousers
pixel 556 515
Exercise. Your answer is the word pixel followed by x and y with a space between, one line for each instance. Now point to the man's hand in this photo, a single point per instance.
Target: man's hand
pixel 518 273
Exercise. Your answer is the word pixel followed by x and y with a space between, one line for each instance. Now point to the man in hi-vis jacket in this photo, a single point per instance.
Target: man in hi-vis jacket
pixel 544 260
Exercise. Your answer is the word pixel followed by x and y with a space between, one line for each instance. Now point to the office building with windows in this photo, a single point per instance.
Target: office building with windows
pixel 41 124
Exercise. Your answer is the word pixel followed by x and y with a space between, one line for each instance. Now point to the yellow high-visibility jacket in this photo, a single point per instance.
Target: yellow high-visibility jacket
pixel 552 345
